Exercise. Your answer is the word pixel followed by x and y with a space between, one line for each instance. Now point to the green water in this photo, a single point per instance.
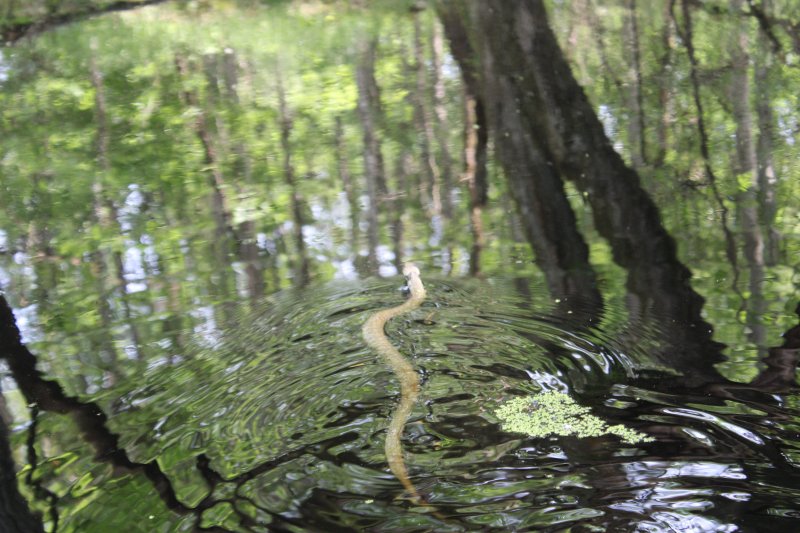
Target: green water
pixel 188 247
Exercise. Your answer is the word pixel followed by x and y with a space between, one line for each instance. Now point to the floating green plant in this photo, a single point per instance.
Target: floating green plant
pixel 556 413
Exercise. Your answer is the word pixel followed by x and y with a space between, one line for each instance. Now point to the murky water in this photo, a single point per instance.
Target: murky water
pixel 202 202
pixel 278 423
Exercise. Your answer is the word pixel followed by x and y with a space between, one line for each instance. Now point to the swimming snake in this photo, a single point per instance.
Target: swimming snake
pixel 375 337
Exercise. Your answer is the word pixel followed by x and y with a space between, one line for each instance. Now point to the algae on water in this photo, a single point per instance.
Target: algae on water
pixel 556 413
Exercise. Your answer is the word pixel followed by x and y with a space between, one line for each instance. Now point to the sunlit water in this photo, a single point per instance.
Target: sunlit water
pixel 278 423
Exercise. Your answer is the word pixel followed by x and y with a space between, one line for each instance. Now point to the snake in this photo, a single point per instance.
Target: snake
pixel 375 336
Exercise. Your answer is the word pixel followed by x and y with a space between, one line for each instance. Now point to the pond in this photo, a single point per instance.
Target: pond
pixel 204 202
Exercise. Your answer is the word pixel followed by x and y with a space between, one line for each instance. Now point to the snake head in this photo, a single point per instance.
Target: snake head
pixel 410 269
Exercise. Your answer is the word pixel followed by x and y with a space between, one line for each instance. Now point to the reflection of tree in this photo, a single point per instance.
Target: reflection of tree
pixel 767 171
pixel 301 269
pixel 547 217
pixel 15 517
pixel 655 280
pixel 91 421
pixel 476 139
pixel 781 361
pixel 439 205
pixel 636 127
pixel 369 113
pixel 746 166
pixel 13 30
pixel 226 238
pixel 348 184
pixel 546 129
pixel 687 35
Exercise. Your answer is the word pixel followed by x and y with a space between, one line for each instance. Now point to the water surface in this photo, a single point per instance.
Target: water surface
pixel 190 249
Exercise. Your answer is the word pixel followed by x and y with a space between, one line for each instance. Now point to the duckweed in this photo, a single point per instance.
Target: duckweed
pixel 556 413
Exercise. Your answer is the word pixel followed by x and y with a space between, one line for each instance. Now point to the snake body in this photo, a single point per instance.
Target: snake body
pixel 375 337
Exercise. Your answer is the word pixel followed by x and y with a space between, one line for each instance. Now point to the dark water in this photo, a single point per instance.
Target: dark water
pixel 279 422
pixel 188 247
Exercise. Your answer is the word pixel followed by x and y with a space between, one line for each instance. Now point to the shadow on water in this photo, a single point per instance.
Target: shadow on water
pixel 279 423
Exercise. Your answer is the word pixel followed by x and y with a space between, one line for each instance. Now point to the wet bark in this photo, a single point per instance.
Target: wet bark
pixel 368 107
pixel 301 267
pixel 545 128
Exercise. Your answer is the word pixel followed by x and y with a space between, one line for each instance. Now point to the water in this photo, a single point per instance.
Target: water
pixel 279 422
pixel 191 257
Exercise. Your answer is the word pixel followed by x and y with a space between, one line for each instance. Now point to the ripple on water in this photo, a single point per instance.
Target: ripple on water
pixel 292 408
